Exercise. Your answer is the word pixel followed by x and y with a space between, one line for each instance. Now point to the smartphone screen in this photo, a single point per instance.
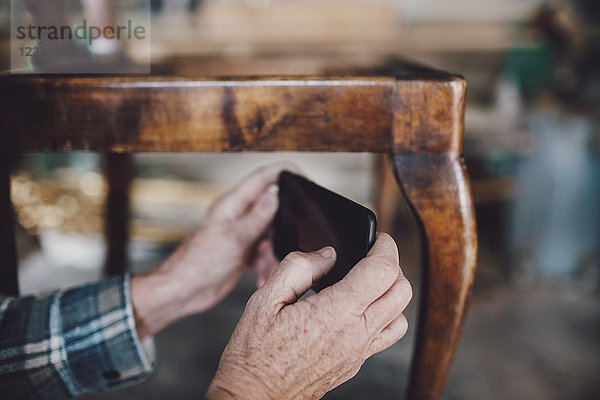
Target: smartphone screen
pixel 311 217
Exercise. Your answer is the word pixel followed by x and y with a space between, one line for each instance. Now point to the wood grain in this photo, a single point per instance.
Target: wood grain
pixel 165 114
pixel 180 115
pixel 437 188
pixel 428 116
pixel 427 147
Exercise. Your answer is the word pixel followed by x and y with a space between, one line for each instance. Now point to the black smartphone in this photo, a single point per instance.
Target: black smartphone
pixel 311 217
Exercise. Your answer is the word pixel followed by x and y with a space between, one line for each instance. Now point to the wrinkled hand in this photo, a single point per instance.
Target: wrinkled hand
pixel 208 265
pixel 283 348
pixel 232 237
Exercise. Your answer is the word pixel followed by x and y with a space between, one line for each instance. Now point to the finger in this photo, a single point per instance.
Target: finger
pixel 265 262
pixel 373 275
pixel 389 335
pixel 269 271
pixel 261 256
pixel 297 273
pixel 237 200
pixel 260 281
pixel 389 306
pixel 251 226
pixel 264 276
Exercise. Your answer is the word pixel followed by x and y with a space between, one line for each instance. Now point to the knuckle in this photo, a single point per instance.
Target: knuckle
pixel 388 269
pixel 397 329
pixel 401 296
pixel 406 288
pixel 403 320
pixel 402 325
pixel 260 171
pixel 255 300
pixel 388 246
pixel 398 305
pixel 299 259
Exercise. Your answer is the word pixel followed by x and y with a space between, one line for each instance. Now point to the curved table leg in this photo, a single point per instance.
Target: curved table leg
pixel 437 188
pixel 387 196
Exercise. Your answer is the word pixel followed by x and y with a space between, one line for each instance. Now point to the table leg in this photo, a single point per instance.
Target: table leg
pixel 387 196
pixel 119 170
pixel 9 283
pixel 438 190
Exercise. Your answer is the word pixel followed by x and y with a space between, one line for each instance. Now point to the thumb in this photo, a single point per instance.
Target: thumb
pixel 297 273
pixel 256 221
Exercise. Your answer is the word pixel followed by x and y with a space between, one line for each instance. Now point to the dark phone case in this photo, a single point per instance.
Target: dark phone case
pixel 311 217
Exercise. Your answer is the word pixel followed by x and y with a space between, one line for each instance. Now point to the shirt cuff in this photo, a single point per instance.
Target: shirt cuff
pixel 103 350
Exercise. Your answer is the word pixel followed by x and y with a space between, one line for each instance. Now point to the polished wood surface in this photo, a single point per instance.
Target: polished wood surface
pixel 125 114
pixel 415 115
pixel 437 188
pixel 425 113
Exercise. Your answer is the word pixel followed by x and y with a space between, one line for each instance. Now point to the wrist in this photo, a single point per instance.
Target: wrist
pixel 241 389
pixel 184 278
pixel 156 302
pixel 217 392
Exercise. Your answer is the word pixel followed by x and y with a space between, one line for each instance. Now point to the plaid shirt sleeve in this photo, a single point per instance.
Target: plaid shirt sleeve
pixel 67 343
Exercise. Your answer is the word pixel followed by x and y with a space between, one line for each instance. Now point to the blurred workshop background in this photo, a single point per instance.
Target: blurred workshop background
pixel 532 147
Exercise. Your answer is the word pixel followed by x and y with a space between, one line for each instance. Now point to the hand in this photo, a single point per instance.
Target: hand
pixel 283 348
pixel 208 265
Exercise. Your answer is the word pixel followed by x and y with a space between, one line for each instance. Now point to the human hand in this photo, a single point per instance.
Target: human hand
pixel 208 265
pixel 283 348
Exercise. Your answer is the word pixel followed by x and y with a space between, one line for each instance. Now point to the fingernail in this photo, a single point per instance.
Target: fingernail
pixel 326 252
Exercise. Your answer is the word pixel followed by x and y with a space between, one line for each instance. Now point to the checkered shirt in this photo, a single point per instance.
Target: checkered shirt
pixel 67 343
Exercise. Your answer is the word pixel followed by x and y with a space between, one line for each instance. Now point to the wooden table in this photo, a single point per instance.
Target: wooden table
pixel 415 116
